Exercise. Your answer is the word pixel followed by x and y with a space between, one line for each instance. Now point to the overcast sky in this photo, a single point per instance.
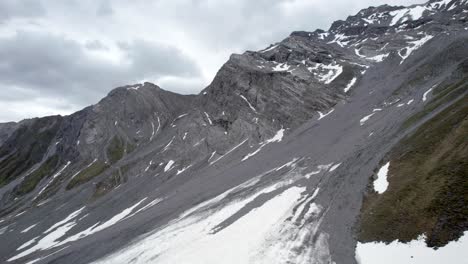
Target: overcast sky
pixel 58 56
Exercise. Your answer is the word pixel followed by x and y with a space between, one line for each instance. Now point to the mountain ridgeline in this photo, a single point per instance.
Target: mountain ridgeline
pixel 309 120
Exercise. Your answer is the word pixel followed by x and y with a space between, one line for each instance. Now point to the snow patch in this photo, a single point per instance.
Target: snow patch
pixel 247 101
pixel 168 166
pixel 270 48
pixel 414 46
pixel 381 183
pixel 350 84
pixel 424 98
pixel 28 228
pixel 365 119
pixel 227 153
pixel 276 138
pixel 209 119
pixel 266 233
pixel 322 115
pixel 414 252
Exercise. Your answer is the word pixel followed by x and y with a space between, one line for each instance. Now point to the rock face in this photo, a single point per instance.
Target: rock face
pixel 282 146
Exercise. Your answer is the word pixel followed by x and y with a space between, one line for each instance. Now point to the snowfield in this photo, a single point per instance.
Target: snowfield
pixel 414 252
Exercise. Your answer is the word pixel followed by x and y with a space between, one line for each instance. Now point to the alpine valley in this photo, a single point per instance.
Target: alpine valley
pixel 340 146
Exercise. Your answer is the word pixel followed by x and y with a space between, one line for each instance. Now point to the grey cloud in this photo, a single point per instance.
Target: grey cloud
pixel 62 68
pixel 104 9
pixel 20 8
pixel 96 45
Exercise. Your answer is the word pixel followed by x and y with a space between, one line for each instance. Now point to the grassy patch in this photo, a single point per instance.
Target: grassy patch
pixel 428 191
pixel 31 181
pixel 26 147
pixel 115 150
pixel 87 174
pixel 106 185
pixel 442 95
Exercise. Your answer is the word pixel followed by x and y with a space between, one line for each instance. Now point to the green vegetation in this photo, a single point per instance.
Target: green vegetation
pixel 115 150
pixel 26 147
pixel 428 190
pixel 31 181
pixel 87 174
pixel 442 95
pixel 107 184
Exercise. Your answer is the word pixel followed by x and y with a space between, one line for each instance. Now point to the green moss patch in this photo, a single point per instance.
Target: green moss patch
pixel 115 150
pixel 428 184
pixel 87 174
pixel 31 181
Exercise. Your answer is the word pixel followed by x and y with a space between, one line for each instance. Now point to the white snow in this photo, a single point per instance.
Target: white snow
pixel 410 102
pixel 168 144
pixel 414 252
pixel 212 155
pixel 247 101
pixel 209 120
pixel 144 208
pixel 339 40
pixel 183 169
pixel 270 48
pixel 231 150
pixel 89 165
pixel 199 142
pixel 320 168
pixel 51 239
pixel 334 167
pixel 414 46
pixel 46 256
pixel 321 115
pixel 402 15
pixel 263 235
pixel 185 136
pixel 248 156
pixel 168 166
pixel 28 228
pixel 364 119
pixel 426 93
pixel 3 230
pixel 27 244
pixel 397 16
pixel 379 58
pixel 149 165
pixel 439 4
pixel 400 105
pixel 153 131
pixel 159 125
pixel 53 178
pixel 281 67
pixel 332 71
pixel 381 183
pixel 323 35
pixel 134 87
pixel 350 84
pixel 126 213
pixel 276 138
pixel 66 220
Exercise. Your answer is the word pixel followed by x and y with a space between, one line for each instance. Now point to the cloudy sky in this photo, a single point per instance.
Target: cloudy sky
pixel 58 56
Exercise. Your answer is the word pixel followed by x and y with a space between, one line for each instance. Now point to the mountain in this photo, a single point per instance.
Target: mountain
pixel 318 147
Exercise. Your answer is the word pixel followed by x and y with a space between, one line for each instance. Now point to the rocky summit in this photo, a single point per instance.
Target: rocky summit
pixel 339 146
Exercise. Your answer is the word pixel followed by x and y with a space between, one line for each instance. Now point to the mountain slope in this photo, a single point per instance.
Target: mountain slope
pixel 268 164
